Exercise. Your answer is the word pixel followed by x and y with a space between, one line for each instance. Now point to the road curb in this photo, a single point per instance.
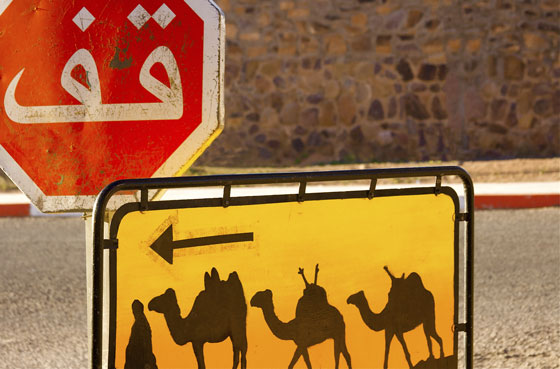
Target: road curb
pixel 481 202
pixel 15 210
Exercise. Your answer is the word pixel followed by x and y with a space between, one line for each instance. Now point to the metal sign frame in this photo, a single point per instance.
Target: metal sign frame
pixel 103 246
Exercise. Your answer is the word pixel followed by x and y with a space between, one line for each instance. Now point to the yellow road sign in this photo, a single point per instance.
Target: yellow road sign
pixel 331 280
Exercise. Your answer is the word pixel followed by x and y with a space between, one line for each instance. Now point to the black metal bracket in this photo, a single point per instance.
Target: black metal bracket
pixel 371 191
pixel 227 196
pixel 460 327
pixel 301 194
pixel 464 217
pixel 111 244
pixel 143 199
pixel 437 189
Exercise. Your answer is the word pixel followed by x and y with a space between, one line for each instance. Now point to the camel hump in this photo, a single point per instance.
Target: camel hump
pixel 414 281
pixel 212 280
pixel 234 284
pixel 315 292
pixel 409 288
pixel 214 274
pixel 314 299
pixel 234 281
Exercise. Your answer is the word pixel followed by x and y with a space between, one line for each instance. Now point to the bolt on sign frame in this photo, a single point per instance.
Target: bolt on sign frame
pixel 360 239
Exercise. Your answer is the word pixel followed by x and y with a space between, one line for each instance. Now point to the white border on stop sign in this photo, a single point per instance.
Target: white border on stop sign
pixel 211 126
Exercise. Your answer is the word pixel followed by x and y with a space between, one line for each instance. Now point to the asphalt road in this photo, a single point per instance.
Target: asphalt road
pixel 517 286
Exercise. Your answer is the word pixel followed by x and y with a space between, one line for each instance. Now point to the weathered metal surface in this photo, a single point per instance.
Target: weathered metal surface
pixel 214 270
pixel 92 92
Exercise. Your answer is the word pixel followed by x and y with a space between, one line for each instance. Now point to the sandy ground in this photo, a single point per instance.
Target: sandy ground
pixel 514 170
pixel 517 291
pixel 501 171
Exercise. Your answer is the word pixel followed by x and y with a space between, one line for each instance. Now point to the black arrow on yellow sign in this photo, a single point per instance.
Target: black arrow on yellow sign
pixel 164 244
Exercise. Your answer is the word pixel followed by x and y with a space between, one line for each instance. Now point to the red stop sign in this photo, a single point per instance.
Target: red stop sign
pixel 96 91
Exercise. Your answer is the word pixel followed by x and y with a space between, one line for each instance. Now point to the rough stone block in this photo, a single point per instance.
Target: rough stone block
pixel 299 13
pixel 535 41
pixel 433 46
pixel 427 72
pixel 361 43
pixel 473 46
pixel 250 36
pixel 511 119
pixel 543 107
pixel 327 115
pixel 346 108
pixel 332 89
pixel 432 24
pixel 403 67
pixel 287 49
pixel 394 20
pixel 359 20
pixel 298 145
pixel 231 31
pixel 414 16
pixel 290 114
pixel 356 135
pixel 256 51
pixel 438 109
pixel 376 111
pixel 310 117
pixel 286 5
pixel 250 68
pixel 384 9
pixel 336 45
pixel 498 109
pixel 513 68
pixel 414 108
pixel 454 45
pixel 383 44
pixel 392 109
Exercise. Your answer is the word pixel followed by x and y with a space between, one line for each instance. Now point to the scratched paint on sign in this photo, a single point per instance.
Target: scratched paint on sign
pixel 124 93
pixel 243 263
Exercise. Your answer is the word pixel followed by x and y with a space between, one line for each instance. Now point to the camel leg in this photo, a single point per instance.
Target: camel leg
pixel 340 347
pixel 346 355
pixel 405 349
pixel 236 353
pixel 336 353
pixel 388 339
pixel 305 355
pixel 429 340
pixel 244 357
pixel 198 349
pixel 239 343
pixel 295 358
pixel 430 330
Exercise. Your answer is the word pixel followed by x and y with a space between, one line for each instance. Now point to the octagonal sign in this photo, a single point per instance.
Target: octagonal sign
pixel 96 91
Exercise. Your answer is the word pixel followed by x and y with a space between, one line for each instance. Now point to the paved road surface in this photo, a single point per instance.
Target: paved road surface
pixel 517 316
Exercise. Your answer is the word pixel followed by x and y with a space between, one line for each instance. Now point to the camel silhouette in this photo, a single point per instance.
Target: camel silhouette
pixel 409 305
pixel 218 312
pixel 316 321
pixel 139 353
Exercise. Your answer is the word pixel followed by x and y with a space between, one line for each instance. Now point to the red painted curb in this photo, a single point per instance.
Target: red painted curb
pixel 481 202
pixel 15 210
pixel 515 201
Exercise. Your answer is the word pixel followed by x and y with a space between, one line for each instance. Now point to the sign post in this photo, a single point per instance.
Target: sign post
pixel 270 278
pixel 96 91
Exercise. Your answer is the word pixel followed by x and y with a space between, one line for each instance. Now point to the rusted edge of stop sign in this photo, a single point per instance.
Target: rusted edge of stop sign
pixel 183 157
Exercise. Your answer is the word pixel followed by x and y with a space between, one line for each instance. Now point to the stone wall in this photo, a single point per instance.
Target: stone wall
pixel 323 81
